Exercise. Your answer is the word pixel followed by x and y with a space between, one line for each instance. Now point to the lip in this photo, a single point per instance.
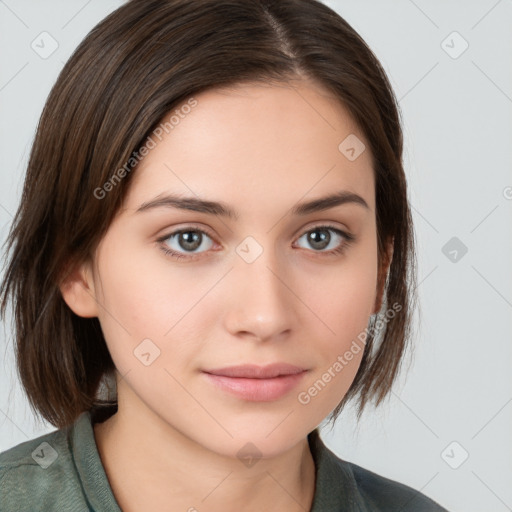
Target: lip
pixel 257 383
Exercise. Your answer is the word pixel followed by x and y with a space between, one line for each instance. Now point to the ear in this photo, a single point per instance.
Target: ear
pixel 382 275
pixel 77 289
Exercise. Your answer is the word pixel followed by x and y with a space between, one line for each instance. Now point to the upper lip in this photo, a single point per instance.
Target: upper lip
pixel 257 372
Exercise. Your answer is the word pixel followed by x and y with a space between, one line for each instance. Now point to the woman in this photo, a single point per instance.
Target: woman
pixel 213 253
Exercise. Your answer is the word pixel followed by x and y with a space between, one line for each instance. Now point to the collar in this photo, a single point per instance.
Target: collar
pixel 88 463
pixel 335 485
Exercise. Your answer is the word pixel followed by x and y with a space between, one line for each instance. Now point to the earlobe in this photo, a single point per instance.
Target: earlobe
pixel 77 290
pixel 382 276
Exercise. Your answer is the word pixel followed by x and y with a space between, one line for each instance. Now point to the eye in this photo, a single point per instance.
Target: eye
pixel 320 238
pixel 187 240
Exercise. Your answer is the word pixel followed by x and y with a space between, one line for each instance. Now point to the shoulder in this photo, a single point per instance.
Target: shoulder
pixel 340 482
pixel 38 453
pixel 383 494
pixel 32 471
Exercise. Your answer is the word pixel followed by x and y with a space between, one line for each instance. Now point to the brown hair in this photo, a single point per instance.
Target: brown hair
pixel 132 69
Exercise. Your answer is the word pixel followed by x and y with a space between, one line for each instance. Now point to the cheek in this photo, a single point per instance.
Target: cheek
pixel 143 296
pixel 343 295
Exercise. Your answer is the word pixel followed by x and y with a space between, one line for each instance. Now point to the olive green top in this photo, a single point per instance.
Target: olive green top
pixel 62 471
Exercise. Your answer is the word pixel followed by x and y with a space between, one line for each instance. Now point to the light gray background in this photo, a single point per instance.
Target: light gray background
pixel 458 134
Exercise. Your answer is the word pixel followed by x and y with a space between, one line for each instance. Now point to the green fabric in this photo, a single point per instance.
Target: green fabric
pixel 76 481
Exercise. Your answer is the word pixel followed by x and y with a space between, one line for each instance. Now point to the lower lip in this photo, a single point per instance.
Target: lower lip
pixel 257 390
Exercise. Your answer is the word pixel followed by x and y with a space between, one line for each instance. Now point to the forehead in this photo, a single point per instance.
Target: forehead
pixel 257 142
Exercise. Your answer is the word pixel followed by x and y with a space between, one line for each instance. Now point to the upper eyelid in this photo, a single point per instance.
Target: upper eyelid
pixel 192 227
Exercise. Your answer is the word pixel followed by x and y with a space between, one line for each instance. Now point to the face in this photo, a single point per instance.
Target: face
pixel 180 292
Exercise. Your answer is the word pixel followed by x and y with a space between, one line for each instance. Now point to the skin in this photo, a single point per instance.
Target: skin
pixel 174 440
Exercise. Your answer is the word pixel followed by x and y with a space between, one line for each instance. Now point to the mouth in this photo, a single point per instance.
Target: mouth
pixel 257 383
pixel 251 371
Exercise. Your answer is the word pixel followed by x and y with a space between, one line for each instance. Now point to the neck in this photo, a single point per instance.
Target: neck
pixel 164 469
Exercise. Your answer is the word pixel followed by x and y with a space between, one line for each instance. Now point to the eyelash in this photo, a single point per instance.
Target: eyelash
pixel 349 238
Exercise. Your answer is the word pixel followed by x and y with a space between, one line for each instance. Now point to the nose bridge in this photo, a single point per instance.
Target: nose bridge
pixel 262 304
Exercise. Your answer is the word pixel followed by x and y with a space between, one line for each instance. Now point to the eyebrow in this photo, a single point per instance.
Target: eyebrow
pixel 222 210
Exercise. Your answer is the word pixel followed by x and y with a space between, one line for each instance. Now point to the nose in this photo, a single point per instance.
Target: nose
pixel 262 303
